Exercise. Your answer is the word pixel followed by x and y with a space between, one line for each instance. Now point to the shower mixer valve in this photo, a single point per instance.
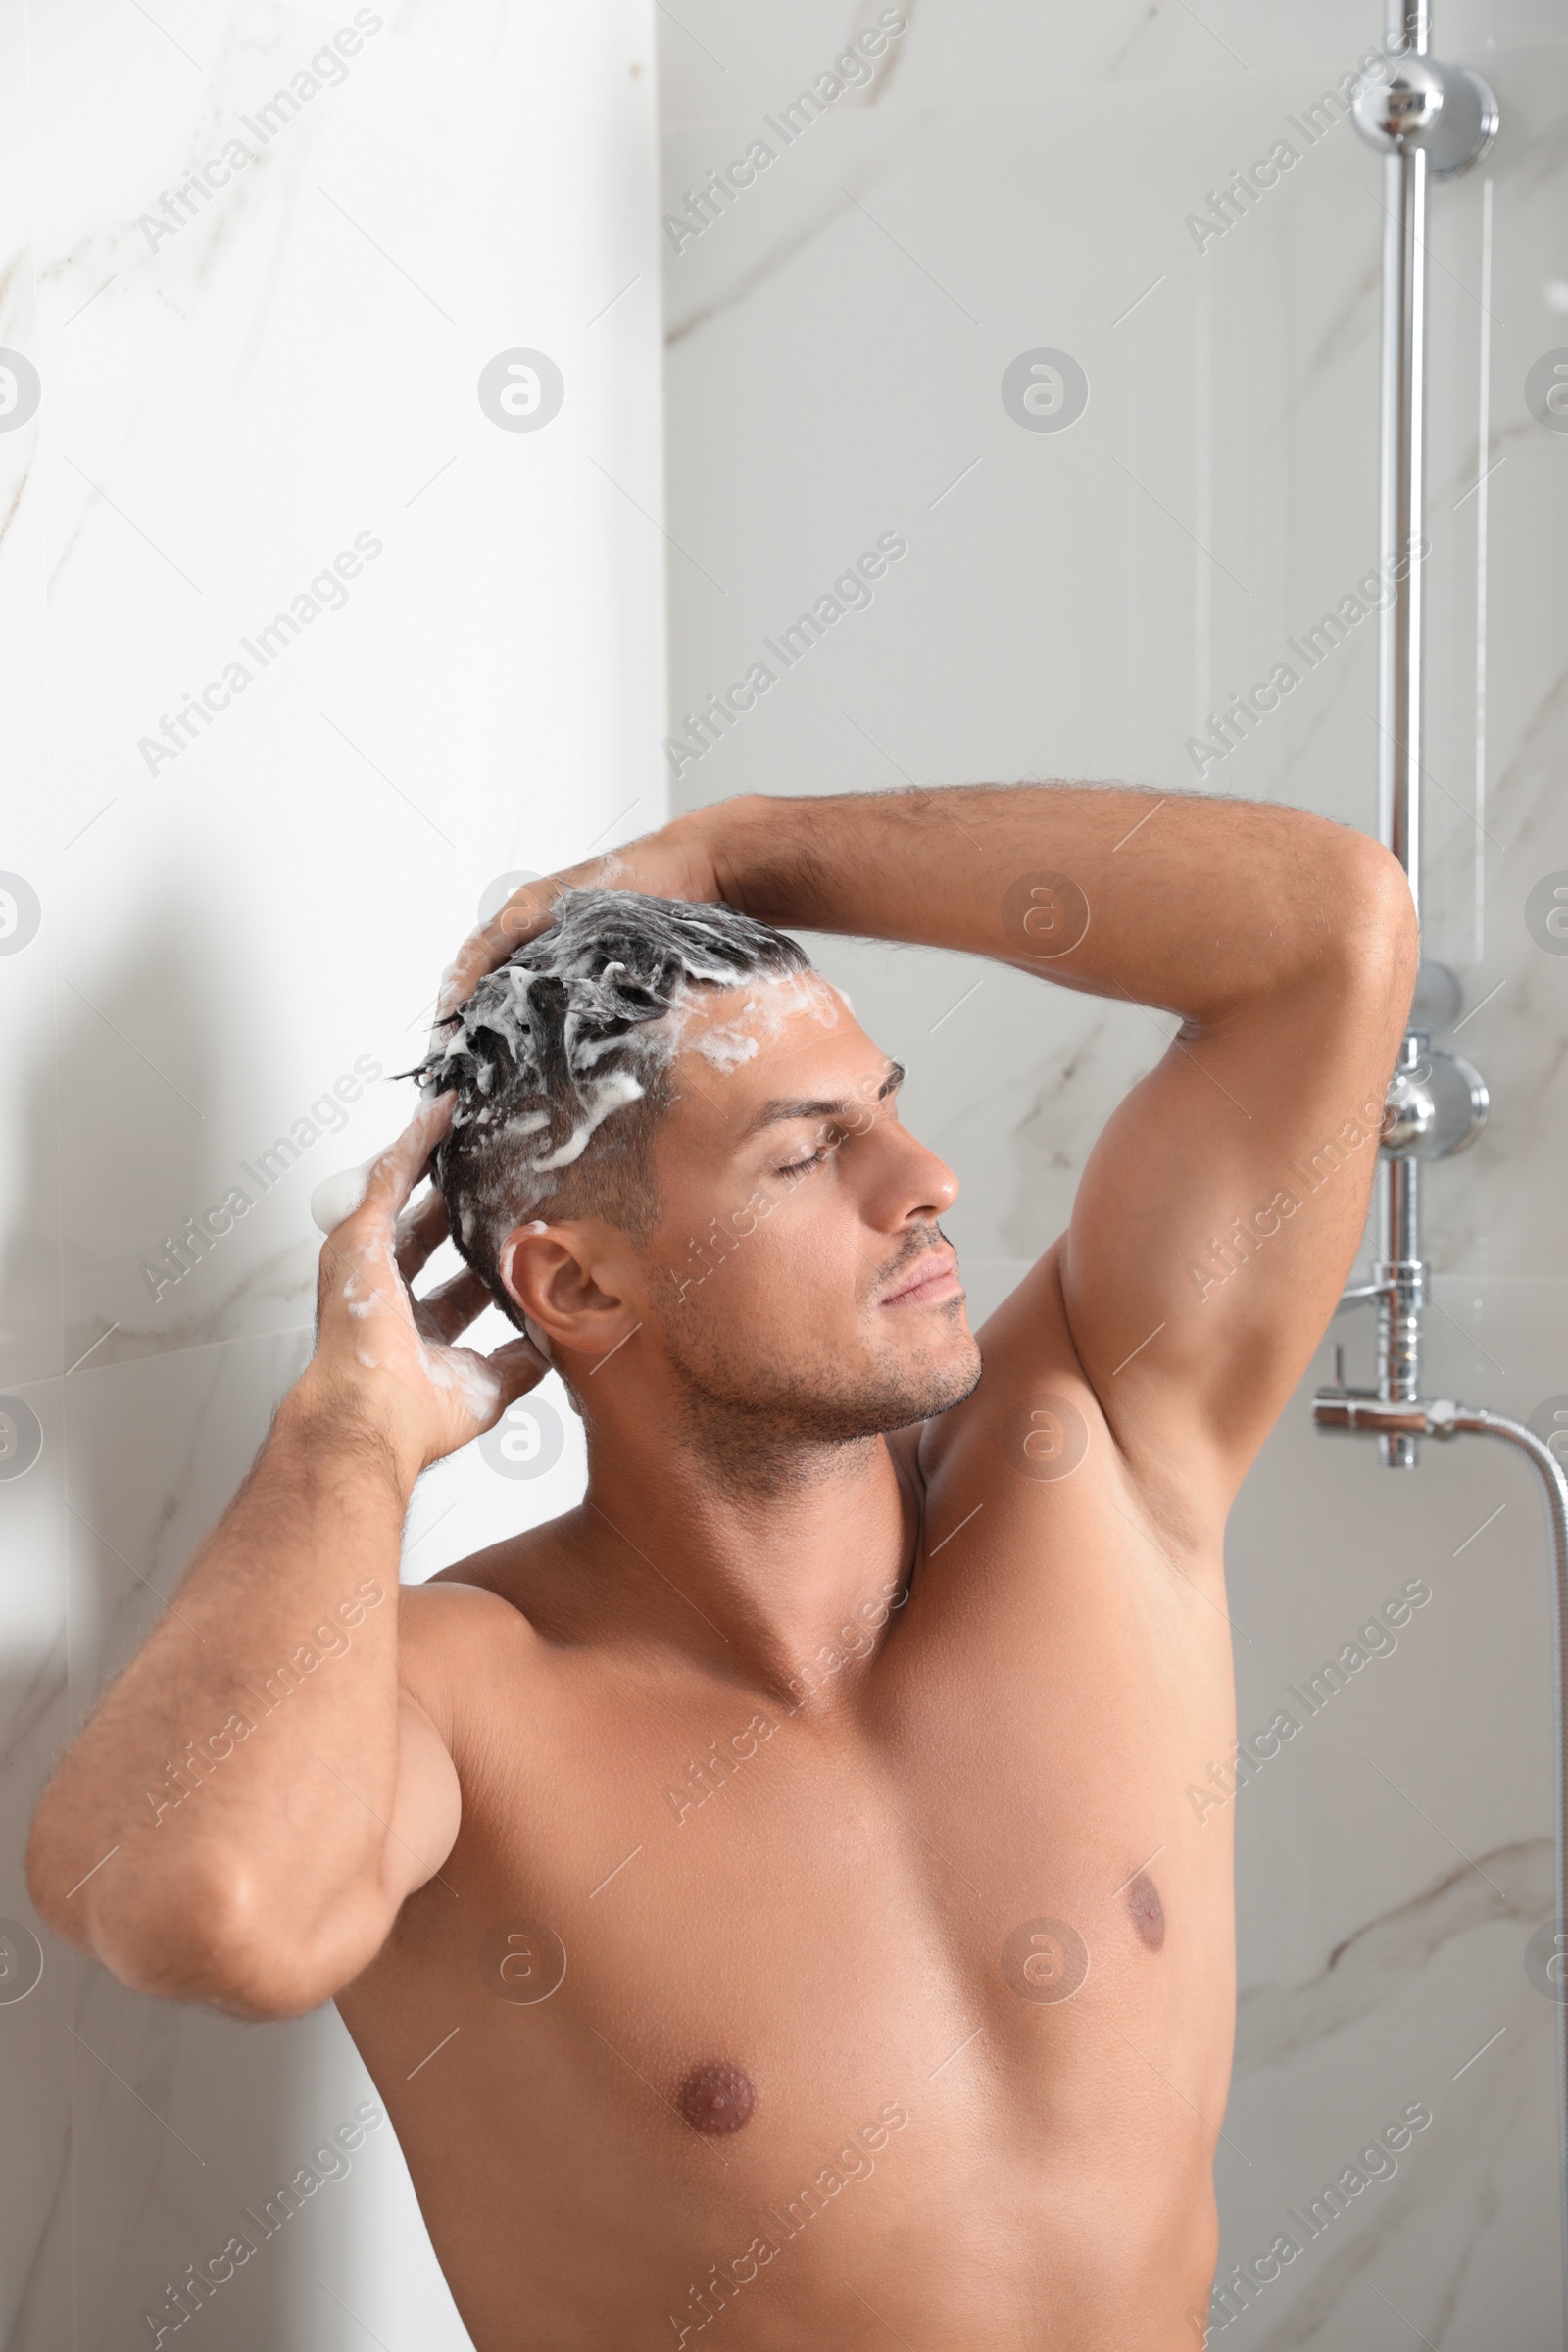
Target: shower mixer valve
pixel 1436 1103
pixel 1436 1106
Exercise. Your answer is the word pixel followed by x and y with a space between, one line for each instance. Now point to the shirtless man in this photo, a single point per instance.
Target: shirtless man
pixel 767 1896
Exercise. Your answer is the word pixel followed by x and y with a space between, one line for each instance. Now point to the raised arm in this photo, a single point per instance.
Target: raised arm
pixel 256 1795
pixel 1225 1199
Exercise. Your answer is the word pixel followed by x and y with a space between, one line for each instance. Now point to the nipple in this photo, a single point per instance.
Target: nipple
pixel 715 2097
pixel 1147 1911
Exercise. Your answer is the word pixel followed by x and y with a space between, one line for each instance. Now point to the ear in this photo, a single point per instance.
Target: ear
pixel 563 1279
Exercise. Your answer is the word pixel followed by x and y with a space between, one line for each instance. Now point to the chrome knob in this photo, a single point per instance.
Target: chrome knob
pixel 1399 107
pixel 1445 111
pixel 1436 1106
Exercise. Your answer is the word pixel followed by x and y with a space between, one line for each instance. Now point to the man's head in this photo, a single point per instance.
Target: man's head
pixel 669 1124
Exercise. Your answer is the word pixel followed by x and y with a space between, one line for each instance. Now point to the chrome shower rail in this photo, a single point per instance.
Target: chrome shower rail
pixel 1430 121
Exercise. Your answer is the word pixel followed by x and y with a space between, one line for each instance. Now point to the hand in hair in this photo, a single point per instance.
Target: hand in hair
pixel 672 863
pixel 387 1359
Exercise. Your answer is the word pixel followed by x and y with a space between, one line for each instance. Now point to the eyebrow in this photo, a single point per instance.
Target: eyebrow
pixel 794 1106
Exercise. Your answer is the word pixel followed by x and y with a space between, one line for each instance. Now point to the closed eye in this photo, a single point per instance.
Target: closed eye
pixel 832 1136
pixel 799 1167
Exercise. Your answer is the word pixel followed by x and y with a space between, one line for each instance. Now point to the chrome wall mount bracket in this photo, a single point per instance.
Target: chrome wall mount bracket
pixel 1445 112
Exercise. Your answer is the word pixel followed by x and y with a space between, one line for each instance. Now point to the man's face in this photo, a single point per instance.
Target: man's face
pixel 798 1271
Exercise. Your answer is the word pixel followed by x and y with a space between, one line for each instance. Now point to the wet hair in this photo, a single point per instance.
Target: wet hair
pixel 560 1061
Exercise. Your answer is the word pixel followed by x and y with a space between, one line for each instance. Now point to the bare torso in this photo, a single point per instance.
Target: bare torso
pixel 906 2011
pixel 730 1977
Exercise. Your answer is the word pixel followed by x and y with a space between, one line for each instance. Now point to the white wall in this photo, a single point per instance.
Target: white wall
pixel 226 933
pixel 1074 604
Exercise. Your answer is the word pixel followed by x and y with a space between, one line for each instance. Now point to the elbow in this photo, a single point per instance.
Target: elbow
pixel 1376 930
pixel 203 1934
pixel 207 1941
pixel 58 1870
pixel 1341 912
pixel 213 1939
pixel 1380 894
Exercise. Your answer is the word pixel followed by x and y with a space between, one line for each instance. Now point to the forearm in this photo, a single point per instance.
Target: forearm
pixel 1193 903
pixel 229 1797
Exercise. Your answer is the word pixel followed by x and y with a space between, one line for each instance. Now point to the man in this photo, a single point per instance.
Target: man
pixel 767 1896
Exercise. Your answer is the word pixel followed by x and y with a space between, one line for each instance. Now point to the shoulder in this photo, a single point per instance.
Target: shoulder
pixel 456 1606
pixel 452 1634
pixel 516 1575
pixel 499 1608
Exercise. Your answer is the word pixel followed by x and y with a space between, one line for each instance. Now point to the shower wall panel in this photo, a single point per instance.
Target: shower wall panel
pixel 1169 209
pixel 331 585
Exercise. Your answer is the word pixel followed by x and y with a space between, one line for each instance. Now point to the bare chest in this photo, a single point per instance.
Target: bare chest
pixel 715 1966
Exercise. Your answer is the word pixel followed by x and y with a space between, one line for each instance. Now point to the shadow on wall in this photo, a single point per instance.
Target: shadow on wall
pixel 138 2129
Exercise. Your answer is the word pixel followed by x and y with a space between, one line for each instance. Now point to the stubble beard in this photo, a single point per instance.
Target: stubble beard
pixel 762 1427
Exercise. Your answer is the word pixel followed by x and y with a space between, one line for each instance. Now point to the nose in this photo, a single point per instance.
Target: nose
pixel 907 1182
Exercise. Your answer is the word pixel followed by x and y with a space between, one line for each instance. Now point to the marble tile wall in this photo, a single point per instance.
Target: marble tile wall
pixel 1074 604
pixel 257 395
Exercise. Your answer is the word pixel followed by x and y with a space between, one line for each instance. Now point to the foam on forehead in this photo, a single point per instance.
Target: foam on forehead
pixel 770 1000
pixel 572 1025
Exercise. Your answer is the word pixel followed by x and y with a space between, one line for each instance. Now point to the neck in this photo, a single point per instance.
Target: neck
pixel 763 1555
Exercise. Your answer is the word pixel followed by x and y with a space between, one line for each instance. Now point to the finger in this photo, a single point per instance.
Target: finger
pixel 520 1367
pixel 394 1175
pixel 492 1381
pixel 420 1232
pixel 525 916
pixel 338 1195
pixel 529 912
pixel 452 1306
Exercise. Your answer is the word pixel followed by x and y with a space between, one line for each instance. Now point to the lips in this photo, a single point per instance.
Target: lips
pixel 932 1277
